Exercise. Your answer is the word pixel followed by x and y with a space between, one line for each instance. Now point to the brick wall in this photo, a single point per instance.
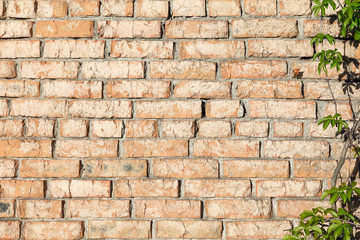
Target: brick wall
pixel 162 119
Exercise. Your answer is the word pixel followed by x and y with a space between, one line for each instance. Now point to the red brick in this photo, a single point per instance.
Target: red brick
pixel 86 148
pixel 51 9
pixel 9 229
pixel 107 128
pixel 223 109
pixel 189 8
pixel 226 148
pixel 138 89
pixel 142 49
pixel 49 168
pixel 30 108
pixel 97 208
pixel 74 49
pixel 20 9
pixel 39 209
pixel 280 48
pixel 293 208
pixel 288 188
pixel 161 208
pixel 7 209
pixel 182 70
pixel 101 109
pixel 256 169
pixel 7 69
pixel 217 129
pixel 64 29
pixel 8 167
pixel 129 29
pixel 296 149
pixel 19 88
pixel 141 128
pixel 257 230
pixel 288 129
pixel 260 8
pixel 11 128
pixel 53 230
pixel 72 89
pixel 50 70
pixel 301 8
pixel 117 8
pixel 313 27
pixel 252 129
pixel 115 168
pixel 178 128
pixel 25 148
pixel 202 89
pixel 149 8
pixel 219 8
pixel 84 8
pixel 112 69
pixel 217 188
pixel 21 189
pixel 40 127
pixel 15 29
pixel 20 49
pixel 79 188
pixel 129 188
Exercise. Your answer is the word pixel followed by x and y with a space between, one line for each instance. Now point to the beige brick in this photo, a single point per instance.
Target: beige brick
pixel 342 108
pixel 21 9
pixel 107 128
pixel 21 189
pixel 40 128
pixel 8 167
pixel 97 208
pixel 226 148
pixel 4 110
pixel 101 109
pixel 320 90
pixel 223 109
pixel 74 49
pixel 280 48
pixel 19 49
pixel 115 168
pixel 260 8
pixel 178 128
pixel 35 168
pixel 117 8
pixel 112 69
pixel 138 89
pixel 256 169
pixel 64 29
pixel 219 8
pixel 217 188
pixel 150 8
pixel 39 208
pixel 162 208
pixel 10 229
pixel 252 129
pixel 155 148
pixel 57 230
pixel 72 89
pixel 129 29
pixel 86 148
pixel 142 49
pixel 2 8
pixel 168 109
pixel 301 8
pixel 182 70
pixel 7 68
pixel 51 9
pixel 51 70
pixel 293 208
pixel 25 148
pixel 84 8
pixel 79 188
pixel 351 50
pixel 15 29
pixel 288 188
pixel 188 8
pixel 11 128
pixel 313 27
pixel 317 130
pixel 309 69
pixel 141 128
pixel 319 168
pixel 19 88
pixel 214 129
pixel 129 188
pixel 6 209
pixel 288 129
pixel 202 89
pixel 257 230
pixel 30 108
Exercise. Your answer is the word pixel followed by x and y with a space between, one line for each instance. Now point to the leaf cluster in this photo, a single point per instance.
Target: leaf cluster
pixel 334 121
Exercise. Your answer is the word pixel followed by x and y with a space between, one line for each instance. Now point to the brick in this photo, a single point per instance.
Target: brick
pixel 49 168
pixel 211 49
pixel 138 89
pixel 155 148
pixel 226 148
pixel 9 229
pixel 235 208
pixel 64 29
pixel 202 89
pixel 30 108
pixel 72 89
pixel 252 129
pixel 182 70
pixel 19 88
pixel 196 29
pixel 6 209
pixel 217 188
pixel 21 189
pixel 260 8
pixel 168 109
pixel 150 8
pixel 211 129
pixel 178 128
pixel 254 69
pixel 74 128
pixel 318 131
pixel 84 8
pixel 269 89
pixel 219 8
pixel 112 69
pixel 283 109
pixel 74 49
pixel 56 230
pixel 309 69
pixel 25 148
pixel 115 168
pixel 257 229
pixel 97 208
pixel 188 8
pixel 280 48
pixel 8 168
pixel 296 149
pixel 293 208
pixel 52 70
pixel 188 229
pixel 20 49
pixel 40 128
pixel 142 49
pixel 51 9
pixel 79 188
pixel 256 169
pixel 162 208
pixel 2 8
pixel 313 27
pixel 351 50
pixel 129 188
pixel 288 188
pixel 288 129
pixel 11 128
pixel 320 90
pixel 101 109
pixel 141 129
pixel 86 148
pixel 318 168
pixel 129 29
pixel 21 9
pixel 301 8
pixel 117 8
pixel 328 108
pixel 223 109
pixel 39 208
pixel 107 128
pixel 15 29
pixel 119 229
pixel 7 69
pixel 271 28
pixel 185 168
pixel 4 110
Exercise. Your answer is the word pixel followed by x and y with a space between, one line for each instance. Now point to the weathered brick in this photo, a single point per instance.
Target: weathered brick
pixel 150 8
pixel 320 90
pixel 296 149
pixel 21 189
pixel 15 29
pixel 112 69
pixel 257 230
pixel 288 129
pixel 97 208
pixel 214 129
pixel 10 229
pixel 11 128
pixel 84 7
pixel 351 50
pixel 19 88
pixel 49 168
pixel 238 208
pixel 6 209
pixel 107 128
pixel 202 89
pixel 217 188
pixel 252 129
pixel 260 8
pixel 168 109
pixel 56 230
pixel 74 49
pixel 293 208
pixel 4 109
pixel 196 29
pixel 141 128
pixel 8 167
pixel 244 28
pixel 101 109
pixel 313 27
pixel 161 208
pixel 39 208
pixel 138 89
pixel 86 148
pixel 226 148
pixel 146 188
pixel 40 128
pixel 142 49
pixel 25 148
pixel 63 70
pixel 256 168
pixel 2 8
pixel 129 29
pixel 51 9
pixel 188 8
pixel 19 49
pixel 301 8
pixel 223 109
pixel 328 108
pixel 280 48
pixel 219 8
pixel 182 70
pixel 20 9
pixel 155 148
pixel 283 109
pixel 185 168
pixel 318 168
pixel 117 8
pixel 309 69
pixel 188 229
pixel 178 128
pixel 288 188
pixel 72 89
pixel 119 229
pixel 7 69
pixel 64 29
pixel 79 188
pixel 115 168
pixel 30 108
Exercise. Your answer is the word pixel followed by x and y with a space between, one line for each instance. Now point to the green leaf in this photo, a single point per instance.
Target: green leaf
pixel 332 227
pixel 316 229
pixel 333 198
pixel 338 231
pixel 290 237
pixel 306 214
pixel 357 36
pixel 346 234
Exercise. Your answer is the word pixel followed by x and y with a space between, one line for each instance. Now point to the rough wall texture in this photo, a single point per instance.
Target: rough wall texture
pixel 150 119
